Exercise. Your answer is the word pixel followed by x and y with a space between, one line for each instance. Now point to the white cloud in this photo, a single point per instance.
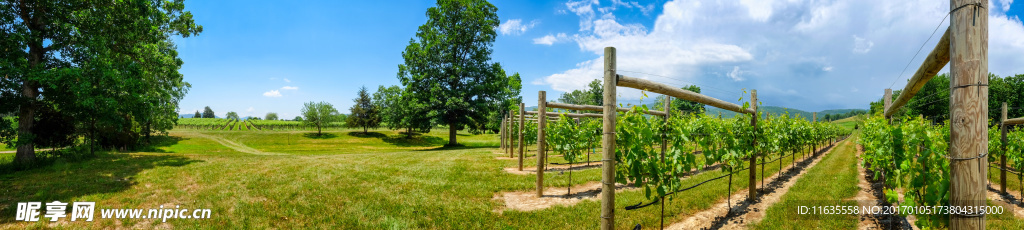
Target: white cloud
pixel 732 45
pixel 290 88
pixel 272 93
pixel 861 45
pixel 735 74
pixel 516 26
pixel 286 80
pixel 551 39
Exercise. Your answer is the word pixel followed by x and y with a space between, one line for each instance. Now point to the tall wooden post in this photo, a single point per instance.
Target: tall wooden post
pixel 752 183
pixel 501 133
pixel 887 101
pixel 664 149
pixel 541 155
pixel 1002 157
pixel 968 110
pixel 608 142
pixel 522 125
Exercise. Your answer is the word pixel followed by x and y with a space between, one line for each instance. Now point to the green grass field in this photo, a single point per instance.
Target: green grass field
pixel 342 180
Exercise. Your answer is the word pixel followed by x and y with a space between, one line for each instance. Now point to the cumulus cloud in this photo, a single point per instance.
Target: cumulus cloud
pixel 290 88
pixel 272 93
pixel 551 39
pixel 768 44
pixel 516 26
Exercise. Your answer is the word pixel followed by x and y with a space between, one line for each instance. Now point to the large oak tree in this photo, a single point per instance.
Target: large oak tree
pixel 448 65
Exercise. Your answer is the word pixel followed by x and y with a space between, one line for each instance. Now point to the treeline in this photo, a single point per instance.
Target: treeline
pixel 97 73
pixel 932 101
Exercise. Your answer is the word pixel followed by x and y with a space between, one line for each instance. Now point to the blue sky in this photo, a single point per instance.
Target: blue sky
pixel 256 57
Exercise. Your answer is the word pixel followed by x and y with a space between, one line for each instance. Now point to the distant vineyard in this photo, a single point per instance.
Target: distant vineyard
pixel 247 125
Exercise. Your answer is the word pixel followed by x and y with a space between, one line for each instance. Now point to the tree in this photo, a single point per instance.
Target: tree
pixel 232 116
pixel 683 105
pixel 103 63
pixel 271 116
pixel 297 118
pixel 447 65
pixel 399 110
pixel 364 112
pixel 208 113
pixel 318 114
pixel 197 115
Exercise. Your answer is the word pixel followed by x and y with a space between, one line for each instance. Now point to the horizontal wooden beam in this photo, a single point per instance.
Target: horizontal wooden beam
pixel 660 88
pixel 598 108
pixel 1015 121
pixel 573 115
pixel 932 64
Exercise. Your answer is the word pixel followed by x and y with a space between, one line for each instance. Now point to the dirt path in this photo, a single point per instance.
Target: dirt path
pixel 1014 203
pixel 871 195
pixel 235 145
pixel 528 201
pixel 744 213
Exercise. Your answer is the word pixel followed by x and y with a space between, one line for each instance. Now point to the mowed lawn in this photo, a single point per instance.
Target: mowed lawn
pixel 338 181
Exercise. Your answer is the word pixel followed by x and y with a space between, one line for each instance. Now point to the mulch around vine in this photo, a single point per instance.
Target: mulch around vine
pixel 553 196
pixel 871 194
pixel 743 212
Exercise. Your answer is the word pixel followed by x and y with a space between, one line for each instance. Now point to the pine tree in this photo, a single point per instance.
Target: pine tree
pixel 364 112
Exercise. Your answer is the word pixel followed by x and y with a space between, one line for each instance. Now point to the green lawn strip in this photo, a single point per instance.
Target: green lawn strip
pixel 349 141
pixel 830 182
pixel 1006 220
pixel 436 189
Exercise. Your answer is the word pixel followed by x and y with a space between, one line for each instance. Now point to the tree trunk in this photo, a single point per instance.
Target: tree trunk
pixel 26 153
pixel 451 134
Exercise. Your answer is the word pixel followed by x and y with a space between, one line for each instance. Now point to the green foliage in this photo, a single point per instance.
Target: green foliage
pixel 399 110
pixel 197 115
pixel 448 68
pixel 318 114
pixel 364 112
pixel 911 155
pixel 271 116
pixel 232 116
pixel 208 113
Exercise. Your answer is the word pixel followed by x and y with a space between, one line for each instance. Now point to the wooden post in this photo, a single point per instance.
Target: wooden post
pixel 968 110
pixel 541 122
pixel 1002 157
pixel 752 183
pixel 887 101
pixel 608 142
pixel 522 125
pixel 664 149
pixel 501 134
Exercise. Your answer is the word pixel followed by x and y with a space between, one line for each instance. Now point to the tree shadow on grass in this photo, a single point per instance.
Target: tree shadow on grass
pixel 361 134
pixel 416 140
pixel 319 135
pixel 65 182
pixel 157 142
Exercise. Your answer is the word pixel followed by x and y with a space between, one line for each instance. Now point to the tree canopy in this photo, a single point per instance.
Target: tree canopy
pixel 448 65
pixel 232 116
pixel 109 65
pixel 208 113
pixel 318 114
pixel 271 116
pixel 364 113
pixel 399 110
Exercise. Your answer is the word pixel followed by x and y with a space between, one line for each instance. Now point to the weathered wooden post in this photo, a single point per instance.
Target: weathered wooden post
pixel 522 125
pixel 501 133
pixel 886 102
pixel 541 122
pixel 752 183
pixel 1002 147
pixel 968 110
pixel 608 142
pixel 664 149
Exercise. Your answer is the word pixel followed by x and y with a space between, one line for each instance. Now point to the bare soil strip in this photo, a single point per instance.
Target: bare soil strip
pixel 871 194
pixel 553 196
pixel 742 212
pixel 1012 202
pixel 553 168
